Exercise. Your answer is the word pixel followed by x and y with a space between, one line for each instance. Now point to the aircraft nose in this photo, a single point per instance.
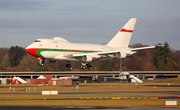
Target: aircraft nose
pixel 32 51
pixel 27 49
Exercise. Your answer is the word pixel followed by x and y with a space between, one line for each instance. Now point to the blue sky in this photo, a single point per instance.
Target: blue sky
pixel 88 21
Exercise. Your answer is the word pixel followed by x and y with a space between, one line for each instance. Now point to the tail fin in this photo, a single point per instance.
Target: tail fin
pixel 122 38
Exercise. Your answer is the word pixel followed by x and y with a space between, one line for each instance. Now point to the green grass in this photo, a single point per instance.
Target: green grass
pixel 27 100
pixel 93 87
pixel 97 103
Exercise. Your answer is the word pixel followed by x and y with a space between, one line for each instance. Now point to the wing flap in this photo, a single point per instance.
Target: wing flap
pixel 75 55
pixel 107 52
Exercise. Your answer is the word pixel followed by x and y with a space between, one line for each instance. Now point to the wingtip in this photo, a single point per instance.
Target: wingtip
pixel 159 46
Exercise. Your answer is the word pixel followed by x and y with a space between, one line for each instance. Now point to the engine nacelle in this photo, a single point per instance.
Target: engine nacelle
pixel 121 55
pixel 87 58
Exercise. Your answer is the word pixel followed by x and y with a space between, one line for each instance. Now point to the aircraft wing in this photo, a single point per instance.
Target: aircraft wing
pixel 75 55
pixel 100 77
pixel 97 53
pixel 115 53
pixel 107 52
pixel 93 55
pixel 141 48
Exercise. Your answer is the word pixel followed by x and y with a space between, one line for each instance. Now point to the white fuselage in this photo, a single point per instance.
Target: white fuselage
pixel 59 49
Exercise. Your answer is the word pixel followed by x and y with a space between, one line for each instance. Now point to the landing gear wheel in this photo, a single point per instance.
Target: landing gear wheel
pixel 84 66
pixel 41 62
pixel 89 66
pixel 69 66
pixel 41 65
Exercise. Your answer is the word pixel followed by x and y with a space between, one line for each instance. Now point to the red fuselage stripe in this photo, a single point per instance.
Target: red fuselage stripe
pixel 33 51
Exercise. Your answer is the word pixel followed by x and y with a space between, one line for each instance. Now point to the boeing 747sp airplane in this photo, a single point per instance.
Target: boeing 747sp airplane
pixel 48 50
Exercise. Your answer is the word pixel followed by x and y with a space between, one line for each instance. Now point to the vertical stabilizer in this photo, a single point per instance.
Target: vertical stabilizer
pixel 123 37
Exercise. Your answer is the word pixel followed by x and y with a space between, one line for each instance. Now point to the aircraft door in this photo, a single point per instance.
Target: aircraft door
pixel 52 46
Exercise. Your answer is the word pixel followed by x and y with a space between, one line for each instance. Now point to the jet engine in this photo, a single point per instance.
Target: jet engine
pixel 120 55
pixel 87 58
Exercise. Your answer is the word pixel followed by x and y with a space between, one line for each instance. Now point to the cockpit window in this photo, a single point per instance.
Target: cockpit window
pixel 37 41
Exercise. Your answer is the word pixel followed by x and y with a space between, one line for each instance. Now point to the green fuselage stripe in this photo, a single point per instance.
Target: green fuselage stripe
pixel 128 31
pixel 39 51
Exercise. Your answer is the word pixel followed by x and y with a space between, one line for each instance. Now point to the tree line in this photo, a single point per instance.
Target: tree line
pixel 15 58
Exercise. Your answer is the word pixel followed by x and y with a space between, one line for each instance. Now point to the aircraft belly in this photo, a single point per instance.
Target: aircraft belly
pixel 103 59
pixel 62 57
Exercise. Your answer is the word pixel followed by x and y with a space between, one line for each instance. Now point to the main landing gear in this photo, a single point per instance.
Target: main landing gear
pixel 68 65
pixel 84 66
